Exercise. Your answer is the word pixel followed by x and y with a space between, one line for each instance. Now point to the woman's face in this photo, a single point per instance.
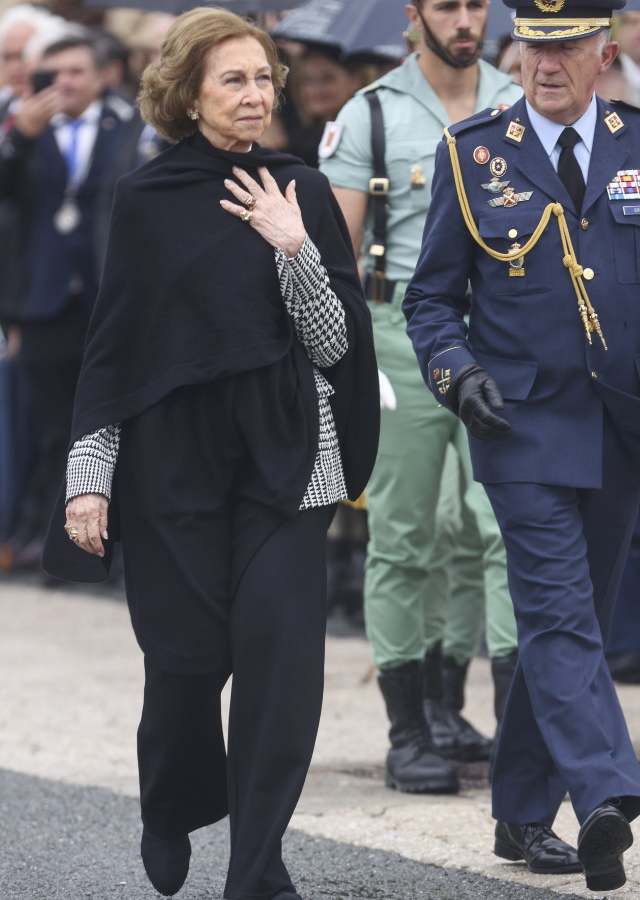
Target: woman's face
pixel 325 86
pixel 236 95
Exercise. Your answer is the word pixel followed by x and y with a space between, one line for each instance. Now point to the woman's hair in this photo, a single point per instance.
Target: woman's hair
pixel 170 86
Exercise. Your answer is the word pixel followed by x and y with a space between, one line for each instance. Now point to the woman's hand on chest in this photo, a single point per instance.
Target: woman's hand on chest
pixel 274 215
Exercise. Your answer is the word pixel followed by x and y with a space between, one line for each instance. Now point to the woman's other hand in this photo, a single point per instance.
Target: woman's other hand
pixel 274 215
pixel 88 515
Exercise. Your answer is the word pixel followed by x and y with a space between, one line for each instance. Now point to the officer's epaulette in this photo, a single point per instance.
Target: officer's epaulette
pixel 622 104
pixel 490 114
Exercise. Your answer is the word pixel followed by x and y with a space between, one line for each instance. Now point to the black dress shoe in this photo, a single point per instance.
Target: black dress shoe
pixel 166 861
pixel 603 838
pixel 541 849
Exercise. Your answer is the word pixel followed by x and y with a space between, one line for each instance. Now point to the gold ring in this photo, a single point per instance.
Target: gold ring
pixel 246 216
pixel 71 530
pixel 251 202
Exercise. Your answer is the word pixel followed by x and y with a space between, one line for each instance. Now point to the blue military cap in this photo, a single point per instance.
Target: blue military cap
pixel 560 20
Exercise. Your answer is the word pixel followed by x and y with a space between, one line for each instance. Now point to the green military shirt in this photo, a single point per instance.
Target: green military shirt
pixel 414 121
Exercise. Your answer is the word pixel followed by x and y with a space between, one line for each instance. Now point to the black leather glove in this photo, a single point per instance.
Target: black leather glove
pixel 474 394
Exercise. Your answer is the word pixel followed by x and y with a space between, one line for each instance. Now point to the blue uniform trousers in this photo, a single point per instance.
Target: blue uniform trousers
pixel 563 728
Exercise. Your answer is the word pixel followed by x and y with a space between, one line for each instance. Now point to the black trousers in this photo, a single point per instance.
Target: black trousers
pixel 275 637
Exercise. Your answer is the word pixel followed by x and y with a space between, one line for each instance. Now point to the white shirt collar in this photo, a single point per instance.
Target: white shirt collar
pixel 548 132
pixel 90 116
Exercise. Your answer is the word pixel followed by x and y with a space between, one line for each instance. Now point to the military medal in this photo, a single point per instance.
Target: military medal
pixel 625 185
pixel 498 166
pixel 510 198
pixel 495 185
pixel 67 218
pixel 417 176
pixel 481 156
pixel 516 266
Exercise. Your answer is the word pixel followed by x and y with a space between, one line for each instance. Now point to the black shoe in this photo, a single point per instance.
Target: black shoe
pixel 625 667
pixel 412 765
pixel 541 849
pixel 166 861
pixel 603 838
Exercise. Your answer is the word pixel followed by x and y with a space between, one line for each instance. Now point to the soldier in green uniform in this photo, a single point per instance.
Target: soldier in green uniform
pixel 424 627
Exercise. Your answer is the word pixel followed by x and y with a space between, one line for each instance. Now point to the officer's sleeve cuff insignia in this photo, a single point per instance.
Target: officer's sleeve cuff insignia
pixel 443 368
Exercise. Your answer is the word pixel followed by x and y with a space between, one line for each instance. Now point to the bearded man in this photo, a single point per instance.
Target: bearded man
pixel 425 597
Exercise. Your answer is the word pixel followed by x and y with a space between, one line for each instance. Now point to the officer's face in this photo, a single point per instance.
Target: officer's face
pixel 559 77
pixel 457 25
pixel 236 95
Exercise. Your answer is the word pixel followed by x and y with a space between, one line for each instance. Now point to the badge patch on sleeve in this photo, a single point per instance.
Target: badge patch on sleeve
pixel 331 138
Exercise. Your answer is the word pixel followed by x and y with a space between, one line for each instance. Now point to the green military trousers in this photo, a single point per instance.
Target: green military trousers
pixel 436 564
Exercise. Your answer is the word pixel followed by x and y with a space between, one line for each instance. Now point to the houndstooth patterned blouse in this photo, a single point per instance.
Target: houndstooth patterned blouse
pixel 319 321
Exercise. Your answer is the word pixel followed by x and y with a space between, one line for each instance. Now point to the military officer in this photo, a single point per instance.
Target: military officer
pixel 407 605
pixel 539 206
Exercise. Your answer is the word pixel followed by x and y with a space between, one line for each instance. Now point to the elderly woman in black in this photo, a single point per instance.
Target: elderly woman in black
pixel 227 401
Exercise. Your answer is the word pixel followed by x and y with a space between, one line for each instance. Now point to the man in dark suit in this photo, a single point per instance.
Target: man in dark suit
pixel 56 162
pixel 538 207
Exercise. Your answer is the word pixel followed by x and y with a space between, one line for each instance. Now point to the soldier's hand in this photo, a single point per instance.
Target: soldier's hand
pixel 477 395
pixel 87 522
pixel 36 112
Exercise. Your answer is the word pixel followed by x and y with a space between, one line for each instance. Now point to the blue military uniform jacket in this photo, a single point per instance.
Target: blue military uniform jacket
pixel 524 324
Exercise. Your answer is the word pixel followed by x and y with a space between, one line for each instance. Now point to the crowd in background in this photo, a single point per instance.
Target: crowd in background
pixel 47 284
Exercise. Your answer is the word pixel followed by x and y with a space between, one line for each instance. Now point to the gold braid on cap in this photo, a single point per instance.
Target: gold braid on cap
pixel 562 28
pixel 586 311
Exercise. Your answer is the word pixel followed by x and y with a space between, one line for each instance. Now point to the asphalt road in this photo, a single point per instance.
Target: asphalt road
pixel 62 842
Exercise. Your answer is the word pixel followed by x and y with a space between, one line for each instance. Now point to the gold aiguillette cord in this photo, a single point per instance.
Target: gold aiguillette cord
pixel 588 315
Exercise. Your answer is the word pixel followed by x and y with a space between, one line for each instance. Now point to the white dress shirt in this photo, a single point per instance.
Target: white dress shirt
pixel 87 135
pixel 548 133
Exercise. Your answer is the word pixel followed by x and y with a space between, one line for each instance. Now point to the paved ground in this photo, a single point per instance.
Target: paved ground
pixel 70 683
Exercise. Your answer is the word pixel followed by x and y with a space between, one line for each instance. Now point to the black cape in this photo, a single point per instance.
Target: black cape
pixel 190 294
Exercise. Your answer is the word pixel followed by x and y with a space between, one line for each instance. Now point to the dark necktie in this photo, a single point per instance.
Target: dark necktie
pixel 568 169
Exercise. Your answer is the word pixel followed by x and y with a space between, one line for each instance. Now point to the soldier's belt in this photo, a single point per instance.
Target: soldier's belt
pixel 588 315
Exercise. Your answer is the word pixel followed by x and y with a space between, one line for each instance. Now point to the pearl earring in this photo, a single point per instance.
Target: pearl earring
pixel 193 114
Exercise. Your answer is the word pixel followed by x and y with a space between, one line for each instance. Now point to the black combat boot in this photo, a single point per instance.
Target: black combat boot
pixel 412 764
pixel 473 746
pixel 502 669
pixel 444 735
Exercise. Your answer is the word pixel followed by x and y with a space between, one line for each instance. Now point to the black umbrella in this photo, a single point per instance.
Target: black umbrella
pixel 354 27
pixel 175 7
pixel 247 7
